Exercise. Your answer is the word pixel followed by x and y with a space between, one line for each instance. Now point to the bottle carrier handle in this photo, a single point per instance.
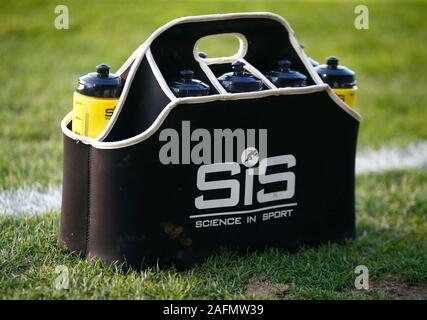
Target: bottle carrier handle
pixel 264 39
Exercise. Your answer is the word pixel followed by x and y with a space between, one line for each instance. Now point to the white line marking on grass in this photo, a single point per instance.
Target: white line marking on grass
pixel 30 199
pixel 35 199
pixel 385 159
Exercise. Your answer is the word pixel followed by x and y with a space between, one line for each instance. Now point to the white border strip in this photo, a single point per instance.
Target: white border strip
pixel 212 78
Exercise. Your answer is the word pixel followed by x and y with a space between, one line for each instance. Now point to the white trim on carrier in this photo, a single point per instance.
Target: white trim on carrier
pixel 129 68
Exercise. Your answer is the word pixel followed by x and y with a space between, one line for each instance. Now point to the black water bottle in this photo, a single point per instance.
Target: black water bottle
pixel 285 77
pixel 186 86
pixel 239 80
pixel 341 79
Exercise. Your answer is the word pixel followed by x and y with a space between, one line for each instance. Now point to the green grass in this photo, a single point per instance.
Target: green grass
pixel 40 65
pixel 392 243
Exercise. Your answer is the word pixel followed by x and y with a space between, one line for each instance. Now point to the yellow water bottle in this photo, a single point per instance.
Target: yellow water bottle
pixel 341 79
pixel 94 100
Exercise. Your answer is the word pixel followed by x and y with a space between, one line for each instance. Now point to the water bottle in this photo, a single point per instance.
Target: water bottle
pixel 285 77
pixel 186 86
pixel 341 79
pixel 240 81
pixel 94 100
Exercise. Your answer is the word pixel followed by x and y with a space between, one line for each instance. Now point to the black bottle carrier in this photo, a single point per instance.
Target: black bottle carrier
pixel 123 202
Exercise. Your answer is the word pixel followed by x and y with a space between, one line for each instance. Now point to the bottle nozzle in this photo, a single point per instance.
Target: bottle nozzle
pixel 238 68
pixel 103 70
pixel 332 62
pixel 187 75
pixel 284 65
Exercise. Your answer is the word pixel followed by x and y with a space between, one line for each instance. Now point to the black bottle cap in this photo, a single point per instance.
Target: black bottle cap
pixel 202 54
pixel 187 75
pixel 332 62
pixel 238 68
pixel 335 75
pixel 101 83
pixel 286 77
pixel 186 86
pixel 239 80
pixel 103 70
pixel 284 65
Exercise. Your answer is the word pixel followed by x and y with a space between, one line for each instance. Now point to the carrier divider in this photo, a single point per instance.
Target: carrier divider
pixel 249 67
pixel 158 75
pixel 212 78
